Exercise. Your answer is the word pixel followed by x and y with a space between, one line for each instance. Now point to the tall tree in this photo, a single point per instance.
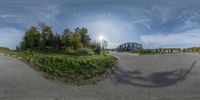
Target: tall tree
pixel 94 45
pixel 22 45
pixel 43 39
pixel 57 41
pixel 66 38
pixel 76 41
pixel 77 30
pixel 42 42
pixel 85 38
pixel 67 32
pixel 31 39
pixel 47 35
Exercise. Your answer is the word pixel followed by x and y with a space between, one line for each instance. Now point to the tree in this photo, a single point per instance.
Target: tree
pixel 41 26
pixel 76 41
pixel 77 30
pixel 66 39
pixel 42 43
pixel 31 38
pixel 46 40
pixel 67 32
pixel 85 38
pixel 48 33
pixel 23 45
pixel 57 41
pixel 94 45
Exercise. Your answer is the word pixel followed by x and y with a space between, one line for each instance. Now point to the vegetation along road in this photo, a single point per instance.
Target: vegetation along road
pixel 146 77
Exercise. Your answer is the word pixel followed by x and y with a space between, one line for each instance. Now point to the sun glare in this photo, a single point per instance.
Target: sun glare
pixel 101 37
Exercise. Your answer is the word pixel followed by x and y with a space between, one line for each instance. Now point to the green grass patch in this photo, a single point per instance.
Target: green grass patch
pixel 69 67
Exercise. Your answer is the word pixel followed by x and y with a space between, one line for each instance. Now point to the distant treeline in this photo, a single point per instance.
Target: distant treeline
pixel 42 38
pixel 4 48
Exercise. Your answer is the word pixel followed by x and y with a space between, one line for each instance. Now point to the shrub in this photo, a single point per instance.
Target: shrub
pixel 84 52
pixel 69 51
pixel 69 67
pixel 4 48
pixel 73 67
pixel 144 51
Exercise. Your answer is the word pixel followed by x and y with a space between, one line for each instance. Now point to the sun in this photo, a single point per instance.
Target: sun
pixel 101 37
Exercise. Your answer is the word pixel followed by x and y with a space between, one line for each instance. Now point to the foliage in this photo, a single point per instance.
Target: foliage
pixel 66 39
pixel 143 51
pixel 43 39
pixel 72 67
pixel 4 48
pixel 85 39
pixel 78 62
pixel 31 39
pixel 76 41
pixel 83 52
pixel 94 45
pixel 69 67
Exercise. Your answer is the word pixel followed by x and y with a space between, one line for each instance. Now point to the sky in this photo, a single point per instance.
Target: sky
pixel 153 23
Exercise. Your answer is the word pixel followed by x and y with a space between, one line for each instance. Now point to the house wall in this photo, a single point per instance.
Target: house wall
pixel 129 47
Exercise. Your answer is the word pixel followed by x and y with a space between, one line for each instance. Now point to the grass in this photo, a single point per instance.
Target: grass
pixel 68 67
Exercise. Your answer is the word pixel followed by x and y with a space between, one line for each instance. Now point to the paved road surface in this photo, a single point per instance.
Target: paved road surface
pixel 152 77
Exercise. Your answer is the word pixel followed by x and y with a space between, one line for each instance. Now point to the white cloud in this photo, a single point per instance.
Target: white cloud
pixel 10 37
pixel 186 39
pixel 48 13
pixel 30 14
pixel 6 16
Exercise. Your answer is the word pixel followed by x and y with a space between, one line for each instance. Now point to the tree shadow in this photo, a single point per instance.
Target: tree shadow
pixel 157 79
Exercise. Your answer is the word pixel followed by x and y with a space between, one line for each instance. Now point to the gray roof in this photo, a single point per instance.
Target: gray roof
pixel 131 43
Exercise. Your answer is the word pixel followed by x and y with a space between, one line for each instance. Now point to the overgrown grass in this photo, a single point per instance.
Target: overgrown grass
pixel 68 67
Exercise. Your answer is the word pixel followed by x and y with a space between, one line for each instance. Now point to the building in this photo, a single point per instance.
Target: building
pixel 192 50
pixel 167 50
pixel 129 47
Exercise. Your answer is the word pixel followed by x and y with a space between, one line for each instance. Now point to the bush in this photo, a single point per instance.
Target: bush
pixel 69 67
pixel 144 51
pixel 69 51
pixel 84 52
pixel 73 67
pixel 4 48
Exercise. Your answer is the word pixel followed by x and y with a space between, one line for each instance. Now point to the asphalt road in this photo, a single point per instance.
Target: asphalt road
pixel 150 77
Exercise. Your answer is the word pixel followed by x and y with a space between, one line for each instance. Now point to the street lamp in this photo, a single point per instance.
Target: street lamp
pixel 101 38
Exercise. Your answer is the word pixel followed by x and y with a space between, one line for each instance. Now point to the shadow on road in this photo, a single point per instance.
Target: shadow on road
pixel 157 79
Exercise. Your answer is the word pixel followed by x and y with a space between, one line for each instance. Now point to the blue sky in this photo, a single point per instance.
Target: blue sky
pixel 154 23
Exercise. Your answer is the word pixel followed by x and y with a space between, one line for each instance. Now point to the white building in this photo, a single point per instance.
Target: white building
pixel 129 47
